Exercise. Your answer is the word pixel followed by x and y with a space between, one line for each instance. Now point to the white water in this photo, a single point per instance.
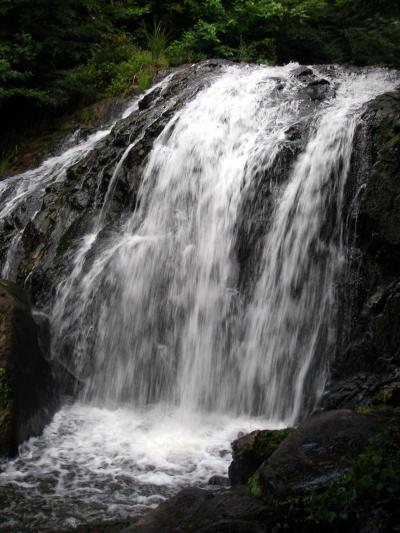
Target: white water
pixel 162 289
pixel 175 362
pixel 96 464
pixel 290 323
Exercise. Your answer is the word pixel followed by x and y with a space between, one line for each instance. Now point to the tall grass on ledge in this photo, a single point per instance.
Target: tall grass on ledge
pixel 157 40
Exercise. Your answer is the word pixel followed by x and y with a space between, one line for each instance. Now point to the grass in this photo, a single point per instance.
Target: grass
pixel 157 40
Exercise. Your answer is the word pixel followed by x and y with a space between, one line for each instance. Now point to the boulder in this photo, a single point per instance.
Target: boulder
pixel 195 509
pixel 302 73
pixel 219 481
pixel 250 451
pixel 27 390
pixel 321 449
pixel 320 89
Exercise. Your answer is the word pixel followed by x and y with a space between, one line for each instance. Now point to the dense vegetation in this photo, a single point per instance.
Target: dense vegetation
pixel 59 56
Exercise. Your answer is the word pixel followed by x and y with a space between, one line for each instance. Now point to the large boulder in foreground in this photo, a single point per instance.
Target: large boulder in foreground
pixel 193 509
pixel 320 450
pixel 251 450
pixel 27 390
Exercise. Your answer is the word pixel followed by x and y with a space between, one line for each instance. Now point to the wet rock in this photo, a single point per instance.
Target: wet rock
pixel 358 390
pixel 257 203
pixel 199 510
pixel 320 450
pixel 149 98
pixel 368 350
pixel 220 481
pixel 320 90
pixel 251 450
pixel 27 389
pixel 302 73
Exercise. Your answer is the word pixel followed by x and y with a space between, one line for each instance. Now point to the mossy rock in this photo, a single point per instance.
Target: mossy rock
pixel 251 450
pixel 318 452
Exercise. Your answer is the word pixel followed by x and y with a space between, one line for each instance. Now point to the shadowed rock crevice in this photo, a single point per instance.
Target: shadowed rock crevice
pixel 28 397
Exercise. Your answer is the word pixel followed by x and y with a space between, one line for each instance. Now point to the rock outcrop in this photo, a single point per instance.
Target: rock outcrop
pixel 320 450
pixel 27 390
pixel 368 353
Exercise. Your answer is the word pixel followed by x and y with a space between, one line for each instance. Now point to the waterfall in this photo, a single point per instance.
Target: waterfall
pixel 157 300
pixel 174 353
pixel 156 315
pixel 290 325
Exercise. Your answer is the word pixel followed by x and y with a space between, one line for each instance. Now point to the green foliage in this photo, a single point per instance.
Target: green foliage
pixel 374 476
pixel 58 56
pixel 157 40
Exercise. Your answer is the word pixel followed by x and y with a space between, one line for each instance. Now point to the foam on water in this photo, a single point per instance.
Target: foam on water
pixel 93 463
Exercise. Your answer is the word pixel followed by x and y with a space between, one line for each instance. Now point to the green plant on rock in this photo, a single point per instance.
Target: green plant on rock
pixel 265 443
pixel 254 485
pixel 374 476
pixel 263 446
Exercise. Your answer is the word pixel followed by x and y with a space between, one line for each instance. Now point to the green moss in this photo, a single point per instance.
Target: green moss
pixel 384 396
pixel 144 81
pixel 265 443
pixel 254 485
pixel 387 399
pixel 370 410
pixel 258 451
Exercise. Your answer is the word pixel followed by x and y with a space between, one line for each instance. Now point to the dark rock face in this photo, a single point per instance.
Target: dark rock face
pixel 368 354
pixel 199 510
pixel 27 391
pixel 321 449
pixel 147 100
pixel 219 481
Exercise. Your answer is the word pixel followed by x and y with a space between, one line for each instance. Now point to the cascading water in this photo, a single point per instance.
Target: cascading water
pixel 173 359
pixel 156 303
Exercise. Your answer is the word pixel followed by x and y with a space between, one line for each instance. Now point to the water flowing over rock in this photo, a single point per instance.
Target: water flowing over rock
pixel 192 263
